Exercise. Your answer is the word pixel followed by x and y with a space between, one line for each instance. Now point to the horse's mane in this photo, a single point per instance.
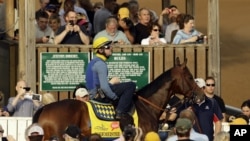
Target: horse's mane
pixel 155 85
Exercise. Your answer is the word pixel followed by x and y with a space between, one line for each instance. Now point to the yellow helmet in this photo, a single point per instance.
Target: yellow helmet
pixel 101 41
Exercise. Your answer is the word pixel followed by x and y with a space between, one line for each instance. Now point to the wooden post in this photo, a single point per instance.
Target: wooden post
pixel 22 41
pixel 10 17
pixel 27 58
pixel 190 7
pixel 213 41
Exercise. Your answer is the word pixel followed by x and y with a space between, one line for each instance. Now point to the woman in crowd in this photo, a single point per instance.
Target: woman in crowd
pixel 187 32
pixel 154 37
pixel 245 108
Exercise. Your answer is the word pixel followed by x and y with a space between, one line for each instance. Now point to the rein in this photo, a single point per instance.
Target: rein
pixel 150 103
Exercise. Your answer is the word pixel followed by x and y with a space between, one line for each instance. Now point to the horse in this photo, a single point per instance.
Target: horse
pixel 150 102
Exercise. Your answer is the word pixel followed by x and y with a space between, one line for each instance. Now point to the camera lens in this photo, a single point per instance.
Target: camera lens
pixel 71 22
pixel 26 88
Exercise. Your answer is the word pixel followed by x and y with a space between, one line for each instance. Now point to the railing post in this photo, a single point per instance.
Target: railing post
pixel 214 43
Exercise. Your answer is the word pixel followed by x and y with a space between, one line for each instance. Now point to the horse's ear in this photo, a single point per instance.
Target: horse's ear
pixel 177 61
pixel 183 65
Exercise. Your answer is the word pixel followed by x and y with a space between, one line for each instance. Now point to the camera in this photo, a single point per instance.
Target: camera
pixel 128 22
pixel 26 88
pixel 33 97
pixel 200 39
pixel 129 132
pixel 37 97
pixel 71 22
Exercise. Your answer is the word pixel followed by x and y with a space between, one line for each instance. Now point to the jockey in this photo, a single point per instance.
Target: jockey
pixel 120 94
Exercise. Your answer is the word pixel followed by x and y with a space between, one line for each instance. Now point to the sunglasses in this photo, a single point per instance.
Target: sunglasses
pixel 156 30
pixel 1 131
pixel 210 85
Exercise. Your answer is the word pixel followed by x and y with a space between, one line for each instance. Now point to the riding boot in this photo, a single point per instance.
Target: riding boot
pixel 118 115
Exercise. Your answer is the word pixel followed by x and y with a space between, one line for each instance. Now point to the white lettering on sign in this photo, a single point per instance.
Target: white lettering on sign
pixel 64 72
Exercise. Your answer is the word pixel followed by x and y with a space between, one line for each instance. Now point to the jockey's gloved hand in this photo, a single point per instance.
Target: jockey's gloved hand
pixel 115 101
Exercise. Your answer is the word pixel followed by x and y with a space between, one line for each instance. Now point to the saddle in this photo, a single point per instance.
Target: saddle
pixel 103 111
pixel 103 121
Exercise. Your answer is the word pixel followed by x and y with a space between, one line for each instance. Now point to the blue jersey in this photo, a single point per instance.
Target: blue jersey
pixel 97 77
pixel 205 114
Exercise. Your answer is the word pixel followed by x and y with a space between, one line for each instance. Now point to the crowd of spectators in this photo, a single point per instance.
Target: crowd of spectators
pixel 85 20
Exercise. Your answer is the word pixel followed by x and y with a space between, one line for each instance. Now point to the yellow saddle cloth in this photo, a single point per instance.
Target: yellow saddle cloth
pixel 102 119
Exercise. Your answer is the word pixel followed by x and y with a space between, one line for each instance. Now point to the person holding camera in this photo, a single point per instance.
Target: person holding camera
pixel 22 105
pixel 125 24
pixel 71 33
pixel 129 131
pixel 187 33
pixel 43 30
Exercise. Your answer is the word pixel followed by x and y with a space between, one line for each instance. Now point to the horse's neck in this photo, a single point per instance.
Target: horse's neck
pixel 149 112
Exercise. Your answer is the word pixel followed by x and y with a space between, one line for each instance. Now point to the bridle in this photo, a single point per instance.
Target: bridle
pixel 168 107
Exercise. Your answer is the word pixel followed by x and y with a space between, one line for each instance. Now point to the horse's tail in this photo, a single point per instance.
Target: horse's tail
pixel 36 115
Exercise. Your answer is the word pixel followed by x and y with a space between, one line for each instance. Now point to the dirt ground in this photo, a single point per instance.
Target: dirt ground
pixel 235 56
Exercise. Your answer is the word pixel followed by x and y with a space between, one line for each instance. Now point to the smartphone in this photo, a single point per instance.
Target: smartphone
pixel 4 139
pixel 37 97
pixel 71 22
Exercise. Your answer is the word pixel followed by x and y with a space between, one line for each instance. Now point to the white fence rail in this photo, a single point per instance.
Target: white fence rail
pixel 15 126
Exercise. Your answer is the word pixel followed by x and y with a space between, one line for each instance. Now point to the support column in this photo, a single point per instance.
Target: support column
pixel 214 43
pixel 27 57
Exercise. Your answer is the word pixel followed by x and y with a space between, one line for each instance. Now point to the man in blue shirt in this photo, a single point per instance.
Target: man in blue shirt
pixel 207 113
pixel 121 94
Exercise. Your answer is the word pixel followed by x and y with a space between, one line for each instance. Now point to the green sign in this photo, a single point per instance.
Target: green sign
pixel 62 71
pixel 130 66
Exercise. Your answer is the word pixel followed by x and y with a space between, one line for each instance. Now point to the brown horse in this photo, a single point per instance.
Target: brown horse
pixel 151 101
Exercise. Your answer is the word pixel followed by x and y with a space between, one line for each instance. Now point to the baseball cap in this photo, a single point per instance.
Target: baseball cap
pixel 51 7
pixel 73 131
pixel 35 130
pixel 183 123
pixel 200 82
pixel 123 13
pixel 238 121
pixel 152 136
pixel 81 92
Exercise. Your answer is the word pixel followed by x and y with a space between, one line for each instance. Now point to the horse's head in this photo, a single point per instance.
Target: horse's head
pixel 184 82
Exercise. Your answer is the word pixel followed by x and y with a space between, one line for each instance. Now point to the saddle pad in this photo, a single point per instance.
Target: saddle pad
pixel 108 129
pixel 104 111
